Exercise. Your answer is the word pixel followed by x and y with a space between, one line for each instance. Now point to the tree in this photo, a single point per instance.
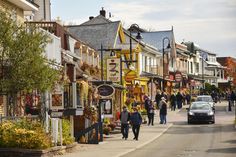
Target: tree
pixel 24 66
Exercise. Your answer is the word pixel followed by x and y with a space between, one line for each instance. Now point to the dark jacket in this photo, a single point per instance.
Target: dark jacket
pixel 163 110
pixel 136 118
pixel 158 98
pixel 173 99
pixel 179 97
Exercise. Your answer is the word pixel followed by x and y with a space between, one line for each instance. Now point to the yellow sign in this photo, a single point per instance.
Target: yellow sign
pixel 130 76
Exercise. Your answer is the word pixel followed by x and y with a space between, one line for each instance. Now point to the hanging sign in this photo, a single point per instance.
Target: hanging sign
pixel 130 76
pixel 113 70
pixel 178 76
pixel 105 90
pixel 57 98
pixel 106 107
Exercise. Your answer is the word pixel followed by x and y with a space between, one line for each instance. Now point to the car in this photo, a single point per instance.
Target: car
pixel 206 98
pixel 200 112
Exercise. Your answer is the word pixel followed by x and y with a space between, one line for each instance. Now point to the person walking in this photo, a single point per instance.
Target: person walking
pixel 150 112
pixel 188 98
pixel 163 111
pixel 158 99
pixel 136 121
pixel 173 101
pixel 179 98
pixel 124 119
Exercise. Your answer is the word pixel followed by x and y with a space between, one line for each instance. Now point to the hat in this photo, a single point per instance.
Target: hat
pixel 163 98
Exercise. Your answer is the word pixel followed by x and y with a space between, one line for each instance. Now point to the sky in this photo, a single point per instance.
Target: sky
pixel 211 24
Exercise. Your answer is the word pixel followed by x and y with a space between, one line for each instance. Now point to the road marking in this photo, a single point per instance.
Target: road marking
pixel 145 143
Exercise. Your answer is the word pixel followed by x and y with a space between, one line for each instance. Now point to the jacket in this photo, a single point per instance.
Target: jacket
pixel 136 118
pixel 124 117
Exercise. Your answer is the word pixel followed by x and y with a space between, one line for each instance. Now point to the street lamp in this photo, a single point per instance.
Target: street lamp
pixel 130 39
pixel 204 57
pixel 163 57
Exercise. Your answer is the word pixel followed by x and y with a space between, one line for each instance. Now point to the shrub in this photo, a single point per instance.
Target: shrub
pixel 112 126
pixel 106 130
pixel 24 134
pixel 66 135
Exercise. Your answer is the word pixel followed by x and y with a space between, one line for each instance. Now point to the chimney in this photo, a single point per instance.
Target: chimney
pixel 103 12
pixel 91 17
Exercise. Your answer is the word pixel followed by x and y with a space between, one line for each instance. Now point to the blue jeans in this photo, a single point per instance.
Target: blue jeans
pixel 163 119
pixel 125 130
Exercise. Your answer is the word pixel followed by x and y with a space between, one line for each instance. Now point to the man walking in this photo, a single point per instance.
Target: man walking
pixel 173 101
pixel 163 111
pixel 124 118
pixel 150 113
pixel 136 121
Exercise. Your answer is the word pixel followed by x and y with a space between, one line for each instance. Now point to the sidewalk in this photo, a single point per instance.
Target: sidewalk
pixel 115 146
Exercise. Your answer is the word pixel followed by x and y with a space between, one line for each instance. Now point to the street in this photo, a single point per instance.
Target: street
pixel 195 140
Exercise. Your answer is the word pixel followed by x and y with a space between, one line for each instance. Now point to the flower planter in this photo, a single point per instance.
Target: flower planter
pixel 13 152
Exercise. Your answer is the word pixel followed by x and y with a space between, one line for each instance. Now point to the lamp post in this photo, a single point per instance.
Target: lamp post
pixel 102 81
pixel 130 39
pixel 163 57
pixel 204 57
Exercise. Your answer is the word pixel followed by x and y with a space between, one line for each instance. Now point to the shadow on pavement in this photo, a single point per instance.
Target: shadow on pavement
pixel 184 128
pixel 230 141
pixel 222 150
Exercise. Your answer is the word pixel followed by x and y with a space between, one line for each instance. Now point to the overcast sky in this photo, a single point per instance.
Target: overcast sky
pixel 209 23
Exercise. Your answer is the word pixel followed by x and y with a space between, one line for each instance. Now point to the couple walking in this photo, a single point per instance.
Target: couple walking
pixel 134 119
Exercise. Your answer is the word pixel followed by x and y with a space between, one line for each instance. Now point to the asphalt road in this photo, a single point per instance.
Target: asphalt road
pixel 195 140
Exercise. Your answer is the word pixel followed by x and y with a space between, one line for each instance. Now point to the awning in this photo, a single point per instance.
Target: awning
pixel 150 75
pixel 115 85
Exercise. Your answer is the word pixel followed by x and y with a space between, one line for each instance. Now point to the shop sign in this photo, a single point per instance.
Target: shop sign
pixel 113 70
pixel 57 98
pixel 178 76
pixel 105 90
pixel 130 76
pixel 56 114
pixel 106 107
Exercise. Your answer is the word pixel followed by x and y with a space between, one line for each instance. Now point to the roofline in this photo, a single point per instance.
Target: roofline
pixel 81 25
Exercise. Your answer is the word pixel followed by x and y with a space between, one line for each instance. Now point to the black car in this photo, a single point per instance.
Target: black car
pixel 201 112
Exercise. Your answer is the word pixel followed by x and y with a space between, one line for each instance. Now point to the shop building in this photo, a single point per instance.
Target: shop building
pixel 164 42
pixel 16 8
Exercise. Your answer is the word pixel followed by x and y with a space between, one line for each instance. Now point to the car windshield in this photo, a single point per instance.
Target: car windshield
pixel 207 99
pixel 200 106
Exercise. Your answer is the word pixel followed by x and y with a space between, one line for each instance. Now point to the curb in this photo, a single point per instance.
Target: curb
pixel 145 143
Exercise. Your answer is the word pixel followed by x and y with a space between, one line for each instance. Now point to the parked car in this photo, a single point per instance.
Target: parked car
pixel 200 112
pixel 206 98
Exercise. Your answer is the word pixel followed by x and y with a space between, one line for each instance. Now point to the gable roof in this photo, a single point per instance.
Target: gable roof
pixel 97 31
pixel 155 38
pixel 97 20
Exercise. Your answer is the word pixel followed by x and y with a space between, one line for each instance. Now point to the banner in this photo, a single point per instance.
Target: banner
pixel 113 70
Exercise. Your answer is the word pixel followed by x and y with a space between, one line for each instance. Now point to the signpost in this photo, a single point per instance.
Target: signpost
pixel 105 90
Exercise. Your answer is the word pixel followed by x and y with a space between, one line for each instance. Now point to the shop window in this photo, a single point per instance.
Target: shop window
pixel 68 96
